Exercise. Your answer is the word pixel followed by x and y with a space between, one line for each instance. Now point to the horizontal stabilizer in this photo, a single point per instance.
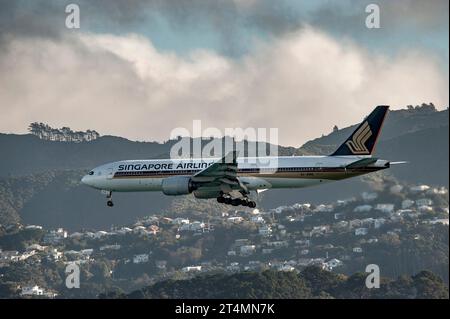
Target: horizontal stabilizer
pixel 362 163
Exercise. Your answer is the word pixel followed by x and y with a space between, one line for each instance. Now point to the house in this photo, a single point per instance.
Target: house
pixel 161 264
pixel 191 268
pixel 407 203
pixel 257 219
pixel 54 254
pixel 233 267
pixel 424 202
pixel 180 221
pixel 124 230
pixel 141 258
pixel 235 219
pixel 396 189
pixel 139 230
pixel 32 291
pixel 425 209
pixel 76 235
pixel 323 208
pixel 36 247
pixel 357 250
pixel 361 231
pixel 9 255
pixel 362 208
pixel 339 216
pixel 278 244
pixel 265 230
pixel 443 221
pixel 367 222
pixel 419 188
pixel 55 236
pixel 196 226
pixel 100 234
pixel 285 267
pixel 366 196
pixel 333 263
pixel 247 249
pixel 267 250
pixel 355 223
pixel 341 224
pixel 303 242
pixel 110 247
pixel 34 227
pixel 385 208
pixel 379 222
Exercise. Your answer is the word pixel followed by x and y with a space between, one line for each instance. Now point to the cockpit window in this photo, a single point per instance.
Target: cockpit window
pixel 91 173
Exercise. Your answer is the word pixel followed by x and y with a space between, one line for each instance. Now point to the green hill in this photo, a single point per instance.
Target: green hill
pixel 312 282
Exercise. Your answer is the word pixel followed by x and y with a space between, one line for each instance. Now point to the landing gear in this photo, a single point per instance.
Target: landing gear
pixel 228 200
pixel 109 199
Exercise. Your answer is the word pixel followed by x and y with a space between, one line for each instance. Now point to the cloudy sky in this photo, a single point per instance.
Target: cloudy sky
pixel 139 68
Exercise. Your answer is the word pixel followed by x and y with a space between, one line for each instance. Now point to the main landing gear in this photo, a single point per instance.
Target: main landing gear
pixel 228 200
pixel 109 199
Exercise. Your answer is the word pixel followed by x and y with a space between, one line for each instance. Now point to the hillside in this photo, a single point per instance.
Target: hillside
pixel 312 282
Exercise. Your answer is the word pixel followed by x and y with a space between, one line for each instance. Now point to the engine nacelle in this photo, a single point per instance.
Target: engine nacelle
pixel 177 185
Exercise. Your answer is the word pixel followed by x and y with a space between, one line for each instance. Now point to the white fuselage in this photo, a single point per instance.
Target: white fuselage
pixel 283 172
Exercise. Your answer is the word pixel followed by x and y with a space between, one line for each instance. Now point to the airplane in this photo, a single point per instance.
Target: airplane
pixel 230 179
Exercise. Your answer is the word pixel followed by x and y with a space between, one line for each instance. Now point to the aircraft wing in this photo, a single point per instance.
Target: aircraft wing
pixel 222 172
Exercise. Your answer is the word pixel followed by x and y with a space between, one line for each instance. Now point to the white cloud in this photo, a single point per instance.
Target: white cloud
pixel 303 83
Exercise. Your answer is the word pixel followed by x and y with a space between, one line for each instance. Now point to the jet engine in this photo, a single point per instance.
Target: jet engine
pixel 177 185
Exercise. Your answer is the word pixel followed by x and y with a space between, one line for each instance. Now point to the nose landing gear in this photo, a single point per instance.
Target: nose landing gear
pixel 109 201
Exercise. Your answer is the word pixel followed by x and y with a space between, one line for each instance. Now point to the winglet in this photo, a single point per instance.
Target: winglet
pixel 363 139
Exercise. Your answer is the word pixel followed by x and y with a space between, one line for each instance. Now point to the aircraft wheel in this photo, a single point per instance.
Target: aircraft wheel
pixel 236 202
pixel 110 203
pixel 227 200
pixel 251 204
pixel 220 199
pixel 245 202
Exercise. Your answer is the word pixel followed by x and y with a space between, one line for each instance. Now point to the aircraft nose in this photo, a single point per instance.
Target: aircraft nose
pixel 84 180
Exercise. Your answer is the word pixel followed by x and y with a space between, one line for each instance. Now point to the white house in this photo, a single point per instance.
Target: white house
pixel 333 263
pixel 361 231
pixel 191 268
pixel 357 250
pixel 419 188
pixel 323 208
pixel 424 202
pixel 407 203
pixel 235 219
pixel 141 258
pixel 265 230
pixel 385 208
pixel 32 291
pixel 180 221
pixel 366 196
pixel 257 219
pixel 248 249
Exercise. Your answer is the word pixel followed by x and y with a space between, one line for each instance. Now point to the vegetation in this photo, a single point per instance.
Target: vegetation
pixel 65 134
pixel 312 282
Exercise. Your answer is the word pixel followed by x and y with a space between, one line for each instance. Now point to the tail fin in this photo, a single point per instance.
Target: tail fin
pixel 363 139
